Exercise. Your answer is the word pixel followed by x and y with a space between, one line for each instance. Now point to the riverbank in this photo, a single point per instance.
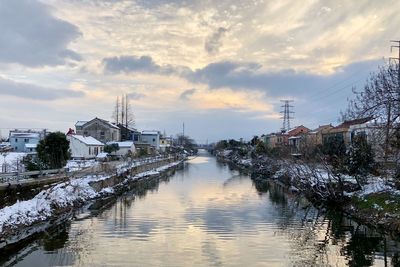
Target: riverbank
pixel 376 204
pixel 58 202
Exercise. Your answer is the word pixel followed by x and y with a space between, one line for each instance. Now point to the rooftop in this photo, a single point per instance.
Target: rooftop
pixel 348 123
pixel 87 140
pixel 122 144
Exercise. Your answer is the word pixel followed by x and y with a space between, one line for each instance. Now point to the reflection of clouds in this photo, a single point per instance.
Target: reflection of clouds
pixel 196 221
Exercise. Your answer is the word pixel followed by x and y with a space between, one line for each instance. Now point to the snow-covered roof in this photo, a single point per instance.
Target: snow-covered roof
pixel 24 135
pixel 88 140
pixel 126 144
pixel 102 155
pixel 80 123
pixel 30 145
pixel 153 132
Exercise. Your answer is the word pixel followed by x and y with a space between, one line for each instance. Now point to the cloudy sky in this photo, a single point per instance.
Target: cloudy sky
pixel 221 67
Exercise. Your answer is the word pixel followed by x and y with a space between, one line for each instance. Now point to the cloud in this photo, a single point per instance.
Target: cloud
pixel 30 35
pixel 243 75
pixel 30 91
pixel 187 94
pixel 136 96
pixel 143 64
pixel 213 42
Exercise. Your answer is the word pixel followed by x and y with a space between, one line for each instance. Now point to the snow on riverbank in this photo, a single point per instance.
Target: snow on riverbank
pixel 76 165
pixel 41 206
pixel 156 171
pixel 65 194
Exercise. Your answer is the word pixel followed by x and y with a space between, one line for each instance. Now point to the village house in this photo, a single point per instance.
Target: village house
pixel 84 147
pixel 346 130
pixel 152 138
pixel 26 140
pixel 99 129
pixel 297 138
pixel 129 133
pixel 125 148
pixel 165 143
pixel 314 137
pixel 274 140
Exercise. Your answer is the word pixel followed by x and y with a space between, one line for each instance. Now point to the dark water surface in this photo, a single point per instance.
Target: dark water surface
pixel 209 215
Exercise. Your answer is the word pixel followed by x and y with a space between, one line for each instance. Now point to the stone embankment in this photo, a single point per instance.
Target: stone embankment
pixel 57 203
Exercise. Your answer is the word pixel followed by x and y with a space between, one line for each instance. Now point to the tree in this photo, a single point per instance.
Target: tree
pixel 334 149
pixel 111 148
pixel 360 159
pixel 53 151
pixel 380 99
pixel 123 113
pixel 186 143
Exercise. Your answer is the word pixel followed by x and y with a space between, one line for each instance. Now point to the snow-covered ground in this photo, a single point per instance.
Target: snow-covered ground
pixel 11 161
pixel 76 165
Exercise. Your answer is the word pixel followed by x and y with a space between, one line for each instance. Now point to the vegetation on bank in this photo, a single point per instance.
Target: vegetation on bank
pixel 333 173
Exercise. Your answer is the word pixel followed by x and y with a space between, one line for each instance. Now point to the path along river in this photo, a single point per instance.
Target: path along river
pixel 208 215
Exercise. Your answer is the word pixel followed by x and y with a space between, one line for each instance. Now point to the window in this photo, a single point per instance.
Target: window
pixel 85 133
pixel 26 140
pixel 102 133
pixel 90 151
pixel 16 140
pixel 154 139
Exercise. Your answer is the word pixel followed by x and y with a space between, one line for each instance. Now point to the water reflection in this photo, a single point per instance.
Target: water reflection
pixel 210 215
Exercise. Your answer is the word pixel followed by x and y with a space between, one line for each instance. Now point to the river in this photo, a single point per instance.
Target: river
pixel 208 215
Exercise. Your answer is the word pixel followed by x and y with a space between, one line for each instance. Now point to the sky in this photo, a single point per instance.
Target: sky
pixel 220 67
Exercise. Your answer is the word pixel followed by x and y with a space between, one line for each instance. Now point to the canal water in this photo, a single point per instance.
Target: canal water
pixel 208 215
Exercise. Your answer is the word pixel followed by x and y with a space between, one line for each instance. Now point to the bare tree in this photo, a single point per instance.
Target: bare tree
pixel 116 112
pixel 123 113
pixel 380 99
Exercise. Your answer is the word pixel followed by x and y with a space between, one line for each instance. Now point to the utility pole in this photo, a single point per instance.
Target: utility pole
pixel 287 114
pixel 183 134
pixel 397 46
pixel 389 111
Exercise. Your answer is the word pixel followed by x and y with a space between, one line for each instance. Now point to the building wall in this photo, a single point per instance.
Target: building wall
pixel 18 139
pixel 100 131
pixel 152 139
pixel 81 150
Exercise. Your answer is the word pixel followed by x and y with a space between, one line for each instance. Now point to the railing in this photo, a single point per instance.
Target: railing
pixel 108 167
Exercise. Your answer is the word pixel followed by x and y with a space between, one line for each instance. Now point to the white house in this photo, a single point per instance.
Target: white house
pixel 152 138
pixel 165 143
pixel 125 148
pixel 84 147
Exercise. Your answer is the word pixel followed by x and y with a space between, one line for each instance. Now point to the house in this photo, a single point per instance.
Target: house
pixel 125 148
pixel 26 140
pixel 274 140
pixel 297 139
pixel 165 143
pixel 84 147
pixel 314 137
pixel 152 138
pixel 344 130
pixel 99 129
pixel 129 133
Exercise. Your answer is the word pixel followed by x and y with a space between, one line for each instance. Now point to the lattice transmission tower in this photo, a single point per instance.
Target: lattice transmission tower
pixel 287 114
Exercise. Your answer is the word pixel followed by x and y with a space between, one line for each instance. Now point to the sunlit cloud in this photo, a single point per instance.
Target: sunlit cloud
pixel 229 58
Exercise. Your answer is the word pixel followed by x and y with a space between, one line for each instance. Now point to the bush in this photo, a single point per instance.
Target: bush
pixel 111 148
pixel 53 151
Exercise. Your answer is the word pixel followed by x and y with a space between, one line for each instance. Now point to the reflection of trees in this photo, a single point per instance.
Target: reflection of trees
pixel 325 238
